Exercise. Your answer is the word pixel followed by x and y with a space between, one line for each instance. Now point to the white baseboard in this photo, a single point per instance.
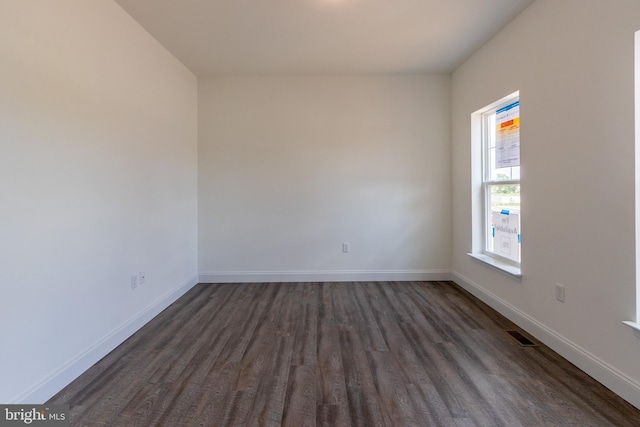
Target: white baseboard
pixel 610 377
pixel 61 377
pixel 323 276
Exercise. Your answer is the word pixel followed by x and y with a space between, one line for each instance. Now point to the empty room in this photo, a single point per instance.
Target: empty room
pixel 320 212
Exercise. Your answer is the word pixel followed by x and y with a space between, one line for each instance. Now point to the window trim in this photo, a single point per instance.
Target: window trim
pixel 487 180
pixel 500 266
pixel 635 324
pixel 480 188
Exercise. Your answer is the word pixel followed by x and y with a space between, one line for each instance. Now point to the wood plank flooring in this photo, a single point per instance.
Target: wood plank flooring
pixel 336 354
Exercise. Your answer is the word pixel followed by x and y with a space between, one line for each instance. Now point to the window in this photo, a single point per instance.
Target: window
pixel 501 180
pixel 635 324
pixel 496 215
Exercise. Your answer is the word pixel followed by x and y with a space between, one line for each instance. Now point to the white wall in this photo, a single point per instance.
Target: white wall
pixel 573 62
pixel 98 147
pixel 291 167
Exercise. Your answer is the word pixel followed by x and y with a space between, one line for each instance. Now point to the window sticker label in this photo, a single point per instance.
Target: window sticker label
pixel 506 232
pixel 508 136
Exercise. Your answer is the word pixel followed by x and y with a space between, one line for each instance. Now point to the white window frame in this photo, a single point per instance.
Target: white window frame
pixel 480 199
pixel 635 324
pixel 488 181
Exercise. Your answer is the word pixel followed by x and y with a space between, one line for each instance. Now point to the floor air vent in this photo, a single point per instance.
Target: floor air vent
pixel 522 340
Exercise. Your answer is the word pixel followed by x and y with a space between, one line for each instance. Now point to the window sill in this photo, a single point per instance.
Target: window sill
pixel 635 326
pixel 501 266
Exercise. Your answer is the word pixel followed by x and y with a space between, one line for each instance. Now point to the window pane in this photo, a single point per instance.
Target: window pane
pixel 493 173
pixel 503 220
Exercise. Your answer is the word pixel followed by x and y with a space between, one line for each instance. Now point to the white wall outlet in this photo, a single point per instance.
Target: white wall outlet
pixel 142 277
pixel 560 292
pixel 345 247
pixel 134 281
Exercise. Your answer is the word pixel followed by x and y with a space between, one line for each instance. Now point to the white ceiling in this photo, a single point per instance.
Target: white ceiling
pixel 266 37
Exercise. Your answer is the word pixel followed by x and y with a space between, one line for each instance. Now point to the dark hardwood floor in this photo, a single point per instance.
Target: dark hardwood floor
pixel 336 354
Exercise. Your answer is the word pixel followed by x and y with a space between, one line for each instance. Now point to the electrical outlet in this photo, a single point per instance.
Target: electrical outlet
pixel 345 247
pixel 142 277
pixel 560 292
pixel 134 281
